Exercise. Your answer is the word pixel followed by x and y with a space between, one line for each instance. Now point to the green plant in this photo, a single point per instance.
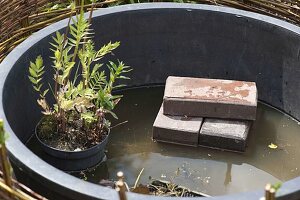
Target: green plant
pixel 81 89
pixel 3 134
pixel 276 186
pixel 3 158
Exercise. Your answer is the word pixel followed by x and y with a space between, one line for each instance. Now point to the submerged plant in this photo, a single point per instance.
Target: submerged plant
pixel 81 89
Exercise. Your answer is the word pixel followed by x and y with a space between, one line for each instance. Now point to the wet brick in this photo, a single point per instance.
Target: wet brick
pixel 176 129
pixel 224 134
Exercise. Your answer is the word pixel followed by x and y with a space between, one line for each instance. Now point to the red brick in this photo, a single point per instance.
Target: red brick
pixel 213 98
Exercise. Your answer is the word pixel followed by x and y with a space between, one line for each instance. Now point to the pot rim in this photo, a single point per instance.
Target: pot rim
pixel 72 186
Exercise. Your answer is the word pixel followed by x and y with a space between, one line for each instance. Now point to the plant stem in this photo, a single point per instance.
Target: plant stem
pixel 138 178
pixel 60 111
pixel 121 123
pixel 4 159
pixel 91 13
pixel 15 193
pixel 26 189
pixel 77 2
pixel 85 82
pixel 6 166
pixel 77 45
pixel 68 26
pixel 63 121
pixel 66 37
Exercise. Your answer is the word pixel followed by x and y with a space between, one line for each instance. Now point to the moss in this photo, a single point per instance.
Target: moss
pixel 47 127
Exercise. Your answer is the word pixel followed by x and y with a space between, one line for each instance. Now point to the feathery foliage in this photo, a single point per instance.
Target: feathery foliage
pixel 88 94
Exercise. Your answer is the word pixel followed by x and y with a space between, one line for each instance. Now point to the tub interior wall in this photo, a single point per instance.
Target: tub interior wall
pixel 195 43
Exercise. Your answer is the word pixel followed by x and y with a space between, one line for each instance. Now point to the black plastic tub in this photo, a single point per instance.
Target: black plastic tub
pixel 158 40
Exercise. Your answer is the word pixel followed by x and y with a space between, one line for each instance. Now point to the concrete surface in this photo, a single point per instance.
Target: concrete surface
pixel 224 134
pixel 176 129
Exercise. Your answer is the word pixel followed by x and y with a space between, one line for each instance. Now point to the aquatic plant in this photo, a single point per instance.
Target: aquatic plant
pixel 81 89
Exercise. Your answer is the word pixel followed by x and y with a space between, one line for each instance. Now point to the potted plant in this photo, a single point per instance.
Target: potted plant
pixel 75 127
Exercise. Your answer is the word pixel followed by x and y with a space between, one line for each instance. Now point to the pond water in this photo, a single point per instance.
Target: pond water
pixel 209 171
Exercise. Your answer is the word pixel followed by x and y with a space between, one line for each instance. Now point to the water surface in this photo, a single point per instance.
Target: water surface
pixel 213 172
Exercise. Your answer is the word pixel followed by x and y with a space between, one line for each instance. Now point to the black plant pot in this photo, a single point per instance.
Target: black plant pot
pixel 74 160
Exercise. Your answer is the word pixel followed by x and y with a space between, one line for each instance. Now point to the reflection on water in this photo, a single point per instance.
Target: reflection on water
pixel 205 170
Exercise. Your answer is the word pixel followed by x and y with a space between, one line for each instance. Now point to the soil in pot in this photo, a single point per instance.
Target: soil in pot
pixel 76 138
pixel 79 148
pixel 209 171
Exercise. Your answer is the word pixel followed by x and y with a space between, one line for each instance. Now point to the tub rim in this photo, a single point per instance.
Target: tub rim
pixel 62 182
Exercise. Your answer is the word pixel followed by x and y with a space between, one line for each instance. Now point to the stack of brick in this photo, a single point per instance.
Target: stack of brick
pixel 206 112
